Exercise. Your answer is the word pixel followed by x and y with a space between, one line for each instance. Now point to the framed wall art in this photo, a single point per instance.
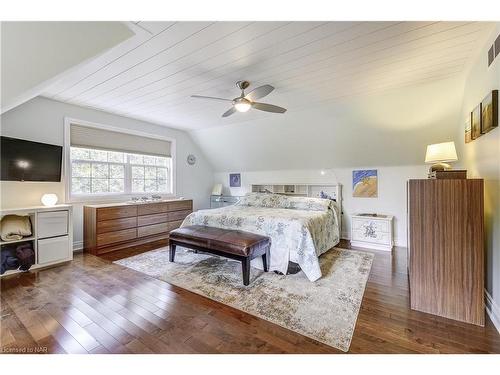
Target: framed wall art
pixel 468 136
pixel 489 112
pixel 476 122
pixel 235 180
pixel 365 183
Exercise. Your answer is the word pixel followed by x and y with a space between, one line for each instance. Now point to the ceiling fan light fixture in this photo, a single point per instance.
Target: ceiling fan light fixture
pixel 242 105
pixel 244 102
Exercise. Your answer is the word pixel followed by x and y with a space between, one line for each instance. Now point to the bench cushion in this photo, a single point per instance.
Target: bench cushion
pixel 225 240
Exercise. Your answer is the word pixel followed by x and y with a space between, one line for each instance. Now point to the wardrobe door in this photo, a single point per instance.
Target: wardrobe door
pixel 446 248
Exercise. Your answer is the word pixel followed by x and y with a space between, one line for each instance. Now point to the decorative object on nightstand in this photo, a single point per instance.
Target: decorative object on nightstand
pixel 439 154
pixel 449 175
pixel 217 189
pixel 373 231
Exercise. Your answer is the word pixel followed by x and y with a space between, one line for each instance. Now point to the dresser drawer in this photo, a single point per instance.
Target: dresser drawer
pixel 53 249
pixel 180 205
pixel 149 230
pixel 377 225
pixel 52 224
pixel 152 219
pixel 153 208
pixel 118 236
pixel 116 224
pixel 109 213
pixel 374 237
pixel 178 215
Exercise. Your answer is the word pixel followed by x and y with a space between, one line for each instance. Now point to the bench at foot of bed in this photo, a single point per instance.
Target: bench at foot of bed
pixel 234 244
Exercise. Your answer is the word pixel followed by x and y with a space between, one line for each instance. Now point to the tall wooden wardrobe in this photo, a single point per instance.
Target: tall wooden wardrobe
pixel 445 245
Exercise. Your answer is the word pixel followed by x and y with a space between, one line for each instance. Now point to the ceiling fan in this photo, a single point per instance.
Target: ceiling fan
pixel 246 101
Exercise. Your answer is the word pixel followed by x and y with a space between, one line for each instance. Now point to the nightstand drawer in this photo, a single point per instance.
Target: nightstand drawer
pixel 372 237
pixel 377 225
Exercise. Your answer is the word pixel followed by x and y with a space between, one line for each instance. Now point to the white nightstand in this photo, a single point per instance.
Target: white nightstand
pixel 374 232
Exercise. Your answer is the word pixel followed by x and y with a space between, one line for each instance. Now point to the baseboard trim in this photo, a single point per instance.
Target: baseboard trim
pixel 492 310
pixel 77 246
pixel 347 236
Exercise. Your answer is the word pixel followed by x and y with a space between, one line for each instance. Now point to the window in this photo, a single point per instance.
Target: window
pixel 149 173
pixel 96 172
pixel 103 161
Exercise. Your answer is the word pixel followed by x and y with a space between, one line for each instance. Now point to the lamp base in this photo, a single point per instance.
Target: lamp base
pixel 438 167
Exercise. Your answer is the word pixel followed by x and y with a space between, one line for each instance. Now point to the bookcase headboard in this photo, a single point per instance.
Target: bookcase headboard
pixel 334 191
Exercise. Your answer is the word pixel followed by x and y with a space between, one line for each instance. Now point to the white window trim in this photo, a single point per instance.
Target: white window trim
pixel 109 196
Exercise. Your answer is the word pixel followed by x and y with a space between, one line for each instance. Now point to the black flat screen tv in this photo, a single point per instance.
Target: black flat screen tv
pixel 23 160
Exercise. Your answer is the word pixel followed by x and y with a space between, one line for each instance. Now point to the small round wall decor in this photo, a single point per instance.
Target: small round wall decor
pixel 191 159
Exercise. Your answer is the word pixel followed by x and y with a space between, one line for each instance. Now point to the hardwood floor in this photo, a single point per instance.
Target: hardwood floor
pixel 93 306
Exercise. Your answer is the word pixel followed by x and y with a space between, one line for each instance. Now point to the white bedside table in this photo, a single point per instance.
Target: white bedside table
pixel 373 232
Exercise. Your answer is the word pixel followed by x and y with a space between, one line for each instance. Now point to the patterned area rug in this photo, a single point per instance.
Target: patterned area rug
pixel 325 310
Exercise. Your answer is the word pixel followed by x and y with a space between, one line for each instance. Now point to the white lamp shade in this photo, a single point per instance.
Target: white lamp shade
pixel 441 152
pixel 49 199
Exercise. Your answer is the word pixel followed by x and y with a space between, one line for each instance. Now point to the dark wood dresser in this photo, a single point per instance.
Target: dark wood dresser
pixel 446 246
pixel 112 227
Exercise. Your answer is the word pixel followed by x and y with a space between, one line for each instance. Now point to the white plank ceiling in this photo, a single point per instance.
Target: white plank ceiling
pixel 309 63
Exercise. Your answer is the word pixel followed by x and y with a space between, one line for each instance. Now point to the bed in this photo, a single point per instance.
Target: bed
pixel 300 228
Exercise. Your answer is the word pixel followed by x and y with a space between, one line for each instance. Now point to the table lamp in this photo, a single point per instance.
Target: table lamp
pixel 439 155
pixel 49 199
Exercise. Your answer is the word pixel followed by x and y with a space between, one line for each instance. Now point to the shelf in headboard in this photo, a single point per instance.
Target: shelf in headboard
pixel 302 190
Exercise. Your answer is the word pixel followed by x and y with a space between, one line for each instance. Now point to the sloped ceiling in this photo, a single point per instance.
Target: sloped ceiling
pixel 307 62
pixel 35 54
pixel 357 93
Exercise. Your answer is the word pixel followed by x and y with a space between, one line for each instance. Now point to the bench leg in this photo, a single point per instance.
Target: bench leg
pixel 266 259
pixel 245 265
pixel 171 253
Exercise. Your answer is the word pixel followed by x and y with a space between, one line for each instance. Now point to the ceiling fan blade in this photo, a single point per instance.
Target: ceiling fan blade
pixel 259 92
pixel 229 112
pixel 268 107
pixel 211 98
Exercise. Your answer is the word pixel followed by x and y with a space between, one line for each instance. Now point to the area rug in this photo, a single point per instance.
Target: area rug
pixel 325 310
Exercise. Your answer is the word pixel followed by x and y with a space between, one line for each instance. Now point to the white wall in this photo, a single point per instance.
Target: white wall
pixel 391 190
pixel 481 158
pixel 34 53
pixel 42 120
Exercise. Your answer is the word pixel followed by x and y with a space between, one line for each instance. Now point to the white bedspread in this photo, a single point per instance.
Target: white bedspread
pixel 301 229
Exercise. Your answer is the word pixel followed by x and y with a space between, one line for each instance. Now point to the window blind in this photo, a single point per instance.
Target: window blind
pixel 84 136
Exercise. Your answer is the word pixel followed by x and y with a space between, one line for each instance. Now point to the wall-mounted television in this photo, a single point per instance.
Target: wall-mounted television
pixel 23 160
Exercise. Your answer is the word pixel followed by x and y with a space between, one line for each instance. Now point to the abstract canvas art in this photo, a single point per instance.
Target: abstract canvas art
pixel 468 137
pixel 476 122
pixel 365 183
pixel 489 112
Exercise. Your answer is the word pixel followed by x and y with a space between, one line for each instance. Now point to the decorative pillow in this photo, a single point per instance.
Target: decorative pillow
pixel 270 200
pixel 324 195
